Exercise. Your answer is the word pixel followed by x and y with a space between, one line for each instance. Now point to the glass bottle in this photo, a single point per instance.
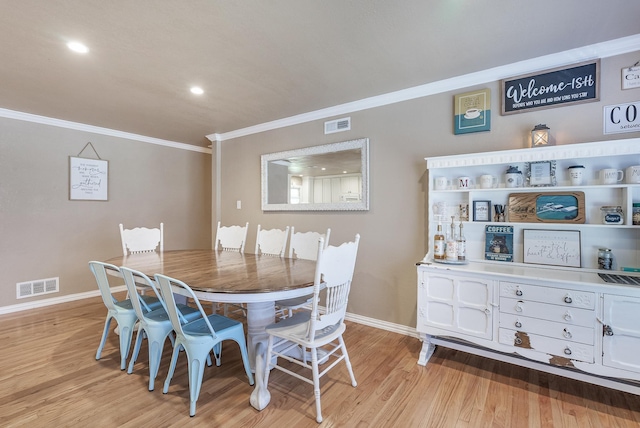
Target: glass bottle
pixel 452 245
pixel 439 244
pixel 462 245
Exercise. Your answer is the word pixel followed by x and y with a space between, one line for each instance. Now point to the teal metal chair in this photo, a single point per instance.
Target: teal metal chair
pixel 198 338
pixel 154 325
pixel 121 310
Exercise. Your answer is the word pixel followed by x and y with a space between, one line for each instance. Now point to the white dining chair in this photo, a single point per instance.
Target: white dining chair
pixel 231 238
pixel 142 239
pixel 302 245
pixel 272 242
pixel 321 328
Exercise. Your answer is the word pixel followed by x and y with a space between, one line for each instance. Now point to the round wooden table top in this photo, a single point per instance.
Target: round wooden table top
pixel 212 271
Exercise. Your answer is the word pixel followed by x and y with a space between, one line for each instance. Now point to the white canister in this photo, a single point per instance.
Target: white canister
pixel 612 214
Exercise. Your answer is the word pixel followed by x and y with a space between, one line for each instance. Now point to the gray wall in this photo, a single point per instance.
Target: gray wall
pixel 400 137
pixel 43 234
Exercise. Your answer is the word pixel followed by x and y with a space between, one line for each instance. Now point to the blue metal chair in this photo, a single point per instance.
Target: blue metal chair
pixel 154 325
pixel 121 310
pixel 198 338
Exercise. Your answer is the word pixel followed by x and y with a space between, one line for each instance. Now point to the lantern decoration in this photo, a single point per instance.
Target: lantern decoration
pixel 540 136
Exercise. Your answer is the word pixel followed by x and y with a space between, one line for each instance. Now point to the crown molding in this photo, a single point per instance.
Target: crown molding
pixel 11 114
pixel 599 50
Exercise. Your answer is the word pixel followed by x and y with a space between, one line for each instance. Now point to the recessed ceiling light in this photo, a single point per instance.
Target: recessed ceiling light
pixel 197 90
pixel 77 47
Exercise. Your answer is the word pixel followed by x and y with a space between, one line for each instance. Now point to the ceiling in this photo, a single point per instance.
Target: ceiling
pixel 264 60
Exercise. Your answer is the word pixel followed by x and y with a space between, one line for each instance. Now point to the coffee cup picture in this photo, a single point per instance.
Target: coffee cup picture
pixel 633 174
pixel 472 113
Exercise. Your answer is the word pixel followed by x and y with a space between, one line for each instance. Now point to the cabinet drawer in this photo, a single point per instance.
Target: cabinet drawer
pixel 555 330
pixel 545 311
pixel 555 296
pixel 557 347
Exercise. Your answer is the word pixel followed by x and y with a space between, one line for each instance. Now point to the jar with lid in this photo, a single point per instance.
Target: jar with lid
pixel 612 214
pixel 605 259
pixel 636 213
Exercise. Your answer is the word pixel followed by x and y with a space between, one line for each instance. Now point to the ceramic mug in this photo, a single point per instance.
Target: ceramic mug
pixel 488 181
pixel 513 179
pixel 633 174
pixel 611 176
pixel 576 173
pixel 464 182
pixel 440 183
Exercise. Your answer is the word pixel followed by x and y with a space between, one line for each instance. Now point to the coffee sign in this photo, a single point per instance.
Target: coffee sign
pixel 568 85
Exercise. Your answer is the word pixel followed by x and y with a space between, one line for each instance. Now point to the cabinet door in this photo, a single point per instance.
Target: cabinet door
pixel 455 303
pixel 621 339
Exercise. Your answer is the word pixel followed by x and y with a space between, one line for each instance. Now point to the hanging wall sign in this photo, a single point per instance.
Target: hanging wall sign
pixel 631 77
pixel 88 178
pixel 578 83
pixel 622 118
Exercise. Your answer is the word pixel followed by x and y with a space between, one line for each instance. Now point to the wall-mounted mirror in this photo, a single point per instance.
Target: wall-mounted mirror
pixel 329 177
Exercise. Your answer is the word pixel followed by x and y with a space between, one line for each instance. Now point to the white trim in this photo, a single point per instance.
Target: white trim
pixel 383 325
pixel 599 50
pixel 11 114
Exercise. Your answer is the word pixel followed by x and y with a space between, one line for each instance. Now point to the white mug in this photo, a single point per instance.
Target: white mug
pixel 440 183
pixel 610 176
pixel 488 181
pixel 633 174
pixel 464 182
pixel 576 173
pixel 513 179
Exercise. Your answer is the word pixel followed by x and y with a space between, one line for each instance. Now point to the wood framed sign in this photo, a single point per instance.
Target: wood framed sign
pixel 578 83
pixel 548 207
pixel 552 247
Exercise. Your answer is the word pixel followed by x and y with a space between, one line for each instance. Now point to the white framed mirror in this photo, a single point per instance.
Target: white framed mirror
pixel 331 177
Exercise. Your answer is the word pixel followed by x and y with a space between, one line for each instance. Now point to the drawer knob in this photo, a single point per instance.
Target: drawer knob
pixel 567 334
pixel 567 351
pixel 568 299
pixel 567 317
pixel 518 341
pixel 519 307
pixel 518 324
pixel 607 330
pixel 518 292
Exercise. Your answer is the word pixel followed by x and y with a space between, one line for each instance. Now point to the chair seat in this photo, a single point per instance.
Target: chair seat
pixel 151 301
pixel 160 315
pixel 218 322
pixel 294 328
pixel 295 302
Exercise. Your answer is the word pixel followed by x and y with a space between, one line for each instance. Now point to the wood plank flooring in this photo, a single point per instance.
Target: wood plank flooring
pixel 49 378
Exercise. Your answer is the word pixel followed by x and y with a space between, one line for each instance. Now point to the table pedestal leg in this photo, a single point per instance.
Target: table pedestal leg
pixel 259 315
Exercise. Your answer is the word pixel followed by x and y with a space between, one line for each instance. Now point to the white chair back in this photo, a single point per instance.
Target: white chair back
pixel 142 239
pixel 335 269
pixel 231 238
pixel 304 245
pixel 272 242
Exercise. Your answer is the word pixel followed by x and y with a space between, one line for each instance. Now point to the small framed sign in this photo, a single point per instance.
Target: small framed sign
pixel 88 179
pixel 552 247
pixel 541 173
pixel 481 210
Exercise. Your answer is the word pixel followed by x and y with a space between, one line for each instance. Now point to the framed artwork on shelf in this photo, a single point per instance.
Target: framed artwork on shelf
pixel 541 173
pixel 481 210
pixel 498 243
pixel 548 207
pixel 552 247
pixel 472 112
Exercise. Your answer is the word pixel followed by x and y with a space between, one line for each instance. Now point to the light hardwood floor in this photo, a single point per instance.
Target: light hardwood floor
pixel 49 378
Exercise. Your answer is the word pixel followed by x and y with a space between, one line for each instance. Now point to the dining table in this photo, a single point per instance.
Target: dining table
pixel 233 277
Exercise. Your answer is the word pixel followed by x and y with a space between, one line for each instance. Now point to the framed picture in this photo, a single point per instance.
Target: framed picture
pixel 498 243
pixel 472 112
pixel 552 247
pixel 541 174
pixel 481 210
pixel 547 207
pixel 88 179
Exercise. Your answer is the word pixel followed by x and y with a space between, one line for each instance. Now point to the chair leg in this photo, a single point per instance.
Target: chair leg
pixel 136 350
pixel 155 355
pixel 316 382
pixel 217 353
pixel 196 372
pixel 126 333
pixel 103 340
pixel 172 367
pixel 343 348
pixel 245 358
pixel 267 362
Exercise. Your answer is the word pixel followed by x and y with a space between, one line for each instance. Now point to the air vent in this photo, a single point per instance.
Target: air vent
pixel 337 125
pixel 37 287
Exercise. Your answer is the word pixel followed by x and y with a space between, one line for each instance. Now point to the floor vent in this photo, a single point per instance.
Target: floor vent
pixel 337 125
pixel 37 287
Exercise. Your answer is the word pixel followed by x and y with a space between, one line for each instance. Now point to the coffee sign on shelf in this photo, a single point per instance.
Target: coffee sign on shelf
pixel 622 118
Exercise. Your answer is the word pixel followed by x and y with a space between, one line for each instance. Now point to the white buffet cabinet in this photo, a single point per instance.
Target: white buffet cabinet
pixel 558 319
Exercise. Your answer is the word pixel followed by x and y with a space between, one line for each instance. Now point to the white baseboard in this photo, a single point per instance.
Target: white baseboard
pixel 371 322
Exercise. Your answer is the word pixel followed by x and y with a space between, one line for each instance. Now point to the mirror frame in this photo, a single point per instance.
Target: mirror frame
pixel 362 144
